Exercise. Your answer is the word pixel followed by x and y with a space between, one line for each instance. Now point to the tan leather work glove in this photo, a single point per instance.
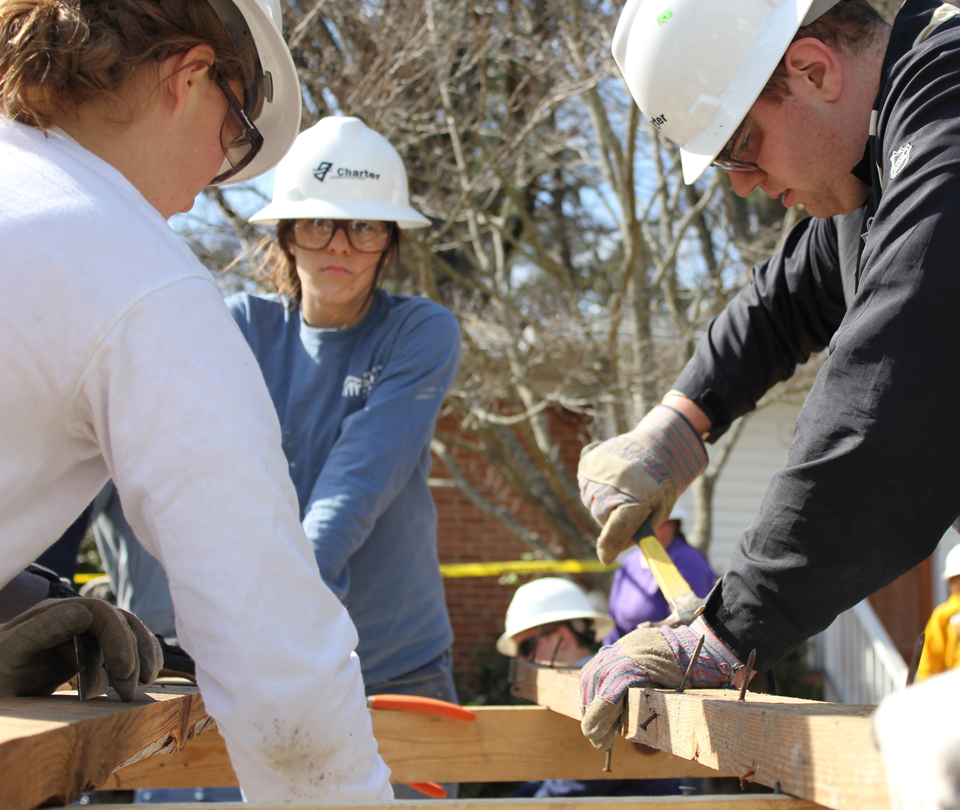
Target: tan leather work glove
pixel 657 655
pixel 37 652
pixel 638 476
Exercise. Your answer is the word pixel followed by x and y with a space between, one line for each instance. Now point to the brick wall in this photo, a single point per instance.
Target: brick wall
pixel 477 605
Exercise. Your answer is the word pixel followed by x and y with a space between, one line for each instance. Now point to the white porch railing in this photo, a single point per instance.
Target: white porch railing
pixel 859 661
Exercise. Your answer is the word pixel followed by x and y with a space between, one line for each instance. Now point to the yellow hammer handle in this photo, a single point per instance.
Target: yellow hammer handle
pixel 671 581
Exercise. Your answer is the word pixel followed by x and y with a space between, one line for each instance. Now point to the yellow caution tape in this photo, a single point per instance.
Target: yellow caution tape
pixel 491 569
pixel 495 569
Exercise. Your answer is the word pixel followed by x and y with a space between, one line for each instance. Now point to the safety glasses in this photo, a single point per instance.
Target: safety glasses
pixel 527 648
pixel 239 137
pixel 364 235
pixel 731 158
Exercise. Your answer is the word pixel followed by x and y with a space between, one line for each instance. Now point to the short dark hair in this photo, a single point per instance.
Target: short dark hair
pixel 851 27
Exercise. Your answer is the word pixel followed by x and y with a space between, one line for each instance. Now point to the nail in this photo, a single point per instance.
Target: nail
pixel 555 651
pixel 746 676
pixel 915 658
pixel 652 716
pixel 690 666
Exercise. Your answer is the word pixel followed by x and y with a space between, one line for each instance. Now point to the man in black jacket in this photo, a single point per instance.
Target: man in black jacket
pixel 827 106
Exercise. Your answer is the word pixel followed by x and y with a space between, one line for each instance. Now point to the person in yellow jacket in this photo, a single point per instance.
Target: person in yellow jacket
pixel 941 649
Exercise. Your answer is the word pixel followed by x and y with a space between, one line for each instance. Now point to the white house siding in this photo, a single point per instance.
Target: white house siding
pixel 760 451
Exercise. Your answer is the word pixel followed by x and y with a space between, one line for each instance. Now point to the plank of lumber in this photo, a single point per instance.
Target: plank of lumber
pixel 818 751
pixel 558 688
pixel 822 752
pixel 599 803
pixel 505 744
pixel 56 748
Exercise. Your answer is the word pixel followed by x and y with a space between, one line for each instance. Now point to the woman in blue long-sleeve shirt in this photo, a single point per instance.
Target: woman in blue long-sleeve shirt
pixel 357 377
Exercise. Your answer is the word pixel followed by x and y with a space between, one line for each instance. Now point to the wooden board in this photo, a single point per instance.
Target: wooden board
pixel 504 744
pixel 822 752
pixel 603 803
pixel 56 748
pixel 819 751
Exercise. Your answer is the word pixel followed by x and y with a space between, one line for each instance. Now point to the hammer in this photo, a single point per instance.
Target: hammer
pixel 685 605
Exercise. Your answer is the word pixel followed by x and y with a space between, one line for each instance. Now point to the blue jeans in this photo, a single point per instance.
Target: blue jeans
pixel 435 680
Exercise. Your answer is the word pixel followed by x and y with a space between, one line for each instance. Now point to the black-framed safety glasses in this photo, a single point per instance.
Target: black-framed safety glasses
pixel 731 157
pixel 364 235
pixel 528 647
pixel 240 139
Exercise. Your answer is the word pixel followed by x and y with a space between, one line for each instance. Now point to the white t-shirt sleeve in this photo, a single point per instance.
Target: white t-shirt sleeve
pixel 175 401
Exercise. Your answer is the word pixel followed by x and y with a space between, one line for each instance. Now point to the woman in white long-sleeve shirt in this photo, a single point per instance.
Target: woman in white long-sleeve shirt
pixel 119 359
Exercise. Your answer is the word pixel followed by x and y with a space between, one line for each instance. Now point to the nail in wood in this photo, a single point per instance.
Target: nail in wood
pixel 693 662
pixel 748 671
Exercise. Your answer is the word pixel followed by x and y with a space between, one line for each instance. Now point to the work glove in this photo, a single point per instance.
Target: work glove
pixel 638 476
pixel 37 651
pixel 650 655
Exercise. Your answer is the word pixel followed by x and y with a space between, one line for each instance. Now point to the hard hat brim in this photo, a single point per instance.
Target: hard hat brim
pixel 405 216
pixel 701 134
pixel 602 625
pixel 279 120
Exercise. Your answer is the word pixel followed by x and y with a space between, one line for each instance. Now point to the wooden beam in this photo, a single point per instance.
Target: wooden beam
pixel 822 752
pixel 819 751
pixel 600 803
pixel 505 744
pixel 557 688
pixel 54 749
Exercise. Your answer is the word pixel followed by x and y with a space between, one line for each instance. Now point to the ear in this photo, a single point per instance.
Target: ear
pixel 180 76
pixel 814 66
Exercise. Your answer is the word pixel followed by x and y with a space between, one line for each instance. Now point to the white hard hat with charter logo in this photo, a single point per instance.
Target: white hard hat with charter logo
pixel 341 169
pixel 546 601
pixel 272 100
pixel 695 67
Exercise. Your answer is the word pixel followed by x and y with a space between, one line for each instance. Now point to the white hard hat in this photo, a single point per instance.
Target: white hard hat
pixel 545 601
pixel 695 67
pixel 341 169
pixel 951 565
pixel 278 118
pixel 679 513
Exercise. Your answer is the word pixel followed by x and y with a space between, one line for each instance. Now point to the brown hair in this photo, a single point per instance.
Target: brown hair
pixel 851 27
pixel 57 54
pixel 280 266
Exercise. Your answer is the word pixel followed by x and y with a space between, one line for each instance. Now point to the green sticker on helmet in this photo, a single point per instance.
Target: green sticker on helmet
pixel 664 17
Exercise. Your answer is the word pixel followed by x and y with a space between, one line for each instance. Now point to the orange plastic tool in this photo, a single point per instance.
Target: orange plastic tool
pixel 432 789
pixel 415 703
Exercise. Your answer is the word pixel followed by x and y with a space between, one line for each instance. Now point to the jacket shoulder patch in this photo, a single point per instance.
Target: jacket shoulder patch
pixel 899 159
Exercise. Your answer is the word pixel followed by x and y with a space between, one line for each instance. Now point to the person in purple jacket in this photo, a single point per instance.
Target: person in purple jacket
pixel 635 596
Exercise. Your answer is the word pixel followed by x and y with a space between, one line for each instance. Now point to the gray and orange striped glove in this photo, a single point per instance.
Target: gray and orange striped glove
pixel 657 655
pixel 638 476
